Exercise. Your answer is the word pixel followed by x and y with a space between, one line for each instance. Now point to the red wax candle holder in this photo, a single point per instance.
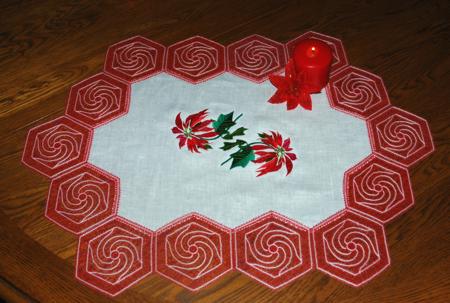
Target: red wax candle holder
pixel 312 60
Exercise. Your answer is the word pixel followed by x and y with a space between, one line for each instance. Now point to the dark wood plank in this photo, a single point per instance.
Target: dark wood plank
pixel 9 293
pixel 47 46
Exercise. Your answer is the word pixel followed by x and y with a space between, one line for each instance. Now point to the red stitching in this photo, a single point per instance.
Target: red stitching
pixel 72 113
pixel 159 61
pixel 263 52
pixel 216 71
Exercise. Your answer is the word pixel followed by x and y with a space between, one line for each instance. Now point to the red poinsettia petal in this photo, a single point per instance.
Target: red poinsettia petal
pixel 208 135
pixel 178 121
pixel 182 141
pixel 191 146
pixel 259 147
pixel 206 130
pixel 264 153
pixel 279 82
pixel 197 116
pixel 292 102
pixel 176 130
pixel 277 98
pixel 285 95
pixel 289 165
pixel 278 139
pixel 305 101
pixel 272 140
pixel 262 171
pixel 269 141
pixel 292 156
pixel 194 119
pixel 286 143
pixel 201 125
pixel 264 158
pixel 270 166
pixel 200 143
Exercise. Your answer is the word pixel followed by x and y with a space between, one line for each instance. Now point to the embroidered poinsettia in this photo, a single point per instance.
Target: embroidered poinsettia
pixel 197 132
pixel 273 153
pixel 194 131
pixel 291 89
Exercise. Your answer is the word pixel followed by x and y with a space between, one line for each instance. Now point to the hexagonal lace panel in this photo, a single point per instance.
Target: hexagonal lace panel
pixel 114 256
pixel 400 136
pixel 351 247
pixel 357 92
pixel 82 197
pixel 135 59
pixel 273 249
pixel 378 188
pixel 193 251
pixel 97 100
pixel 195 59
pixel 255 58
pixel 57 145
pixel 141 150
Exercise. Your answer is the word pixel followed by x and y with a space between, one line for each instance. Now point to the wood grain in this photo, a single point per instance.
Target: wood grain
pixel 47 46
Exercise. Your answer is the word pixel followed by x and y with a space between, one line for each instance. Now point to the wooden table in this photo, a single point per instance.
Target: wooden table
pixel 47 47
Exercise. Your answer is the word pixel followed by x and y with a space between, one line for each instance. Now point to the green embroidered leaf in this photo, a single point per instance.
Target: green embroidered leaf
pixel 223 123
pixel 228 137
pixel 230 145
pixel 242 157
pixel 207 146
pixel 238 132
pixel 262 135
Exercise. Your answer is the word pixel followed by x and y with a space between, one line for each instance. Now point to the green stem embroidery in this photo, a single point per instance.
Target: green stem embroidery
pixel 227 160
pixel 258 142
pixel 237 118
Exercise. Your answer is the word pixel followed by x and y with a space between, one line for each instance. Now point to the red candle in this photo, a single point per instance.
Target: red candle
pixel 312 60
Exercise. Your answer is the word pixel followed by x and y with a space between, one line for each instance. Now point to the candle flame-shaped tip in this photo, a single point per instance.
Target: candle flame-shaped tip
pixel 313 48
